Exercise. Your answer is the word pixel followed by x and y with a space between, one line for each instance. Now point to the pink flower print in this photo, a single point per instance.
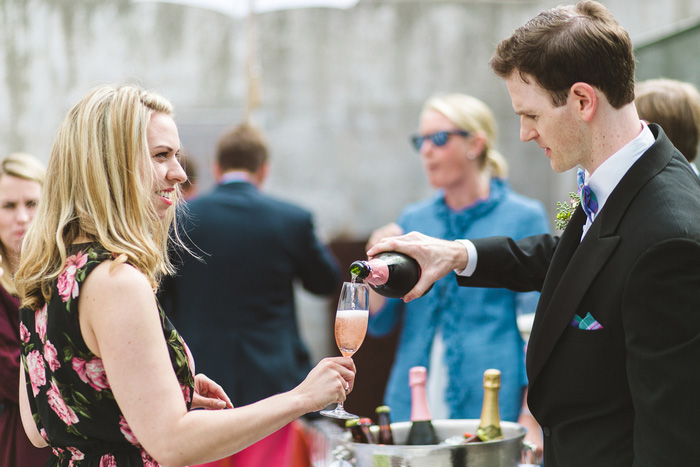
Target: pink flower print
pixel 23 333
pixel 67 286
pixel 40 322
pixel 108 460
pixel 126 431
pixel 92 372
pixel 36 370
pixel 51 356
pixel 59 406
pixel 43 434
pixel 147 460
pixel 76 455
pixel 186 392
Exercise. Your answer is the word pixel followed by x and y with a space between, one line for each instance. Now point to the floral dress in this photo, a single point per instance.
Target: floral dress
pixel 69 393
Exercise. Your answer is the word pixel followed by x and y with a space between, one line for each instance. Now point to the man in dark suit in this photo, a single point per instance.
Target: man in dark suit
pixel 235 307
pixel 613 355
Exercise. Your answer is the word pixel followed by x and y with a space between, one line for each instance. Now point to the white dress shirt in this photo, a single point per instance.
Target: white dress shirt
pixel 603 181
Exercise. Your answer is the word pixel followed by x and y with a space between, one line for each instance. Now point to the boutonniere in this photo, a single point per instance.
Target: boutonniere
pixel 565 210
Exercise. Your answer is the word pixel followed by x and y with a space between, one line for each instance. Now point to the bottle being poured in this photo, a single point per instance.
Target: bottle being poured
pixel 390 273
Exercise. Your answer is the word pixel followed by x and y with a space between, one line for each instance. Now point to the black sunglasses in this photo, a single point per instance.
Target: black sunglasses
pixel 439 138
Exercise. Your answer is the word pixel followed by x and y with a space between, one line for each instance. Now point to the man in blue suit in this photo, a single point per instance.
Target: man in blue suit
pixel 235 307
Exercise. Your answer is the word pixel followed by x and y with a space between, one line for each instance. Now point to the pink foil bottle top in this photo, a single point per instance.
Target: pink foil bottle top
pixel 379 272
pixel 417 377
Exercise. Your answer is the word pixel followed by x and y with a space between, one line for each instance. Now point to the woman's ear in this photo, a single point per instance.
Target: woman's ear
pixel 477 145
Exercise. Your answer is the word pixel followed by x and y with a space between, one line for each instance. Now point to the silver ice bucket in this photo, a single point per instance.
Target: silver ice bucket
pixel 501 453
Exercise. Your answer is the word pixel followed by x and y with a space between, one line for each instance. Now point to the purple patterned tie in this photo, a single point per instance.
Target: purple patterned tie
pixel 589 202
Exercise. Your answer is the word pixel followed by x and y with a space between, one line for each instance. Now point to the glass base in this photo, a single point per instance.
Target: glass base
pixel 338 412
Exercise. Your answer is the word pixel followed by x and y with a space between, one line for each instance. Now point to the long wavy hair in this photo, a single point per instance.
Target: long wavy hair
pixel 99 185
pixel 26 167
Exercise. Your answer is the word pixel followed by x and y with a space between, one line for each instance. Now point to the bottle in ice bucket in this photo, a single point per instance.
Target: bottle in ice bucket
pixel 391 274
pixel 384 435
pixel 359 430
pixel 490 423
pixel 422 431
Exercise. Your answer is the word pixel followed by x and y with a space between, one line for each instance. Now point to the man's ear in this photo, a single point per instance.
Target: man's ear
pixel 216 171
pixel 584 97
pixel 260 175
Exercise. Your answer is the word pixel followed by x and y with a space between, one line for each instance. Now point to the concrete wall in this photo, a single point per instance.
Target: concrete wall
pixel 340 89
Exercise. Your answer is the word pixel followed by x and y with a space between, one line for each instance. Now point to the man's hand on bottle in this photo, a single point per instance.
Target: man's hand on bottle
pixel 435 256
pixel 391 229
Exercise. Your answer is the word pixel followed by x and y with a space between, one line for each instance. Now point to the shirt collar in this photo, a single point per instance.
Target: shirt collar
pixel 606 177
pixel 235 176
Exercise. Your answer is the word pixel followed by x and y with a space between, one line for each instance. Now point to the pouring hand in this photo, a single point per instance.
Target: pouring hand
pixel 435 256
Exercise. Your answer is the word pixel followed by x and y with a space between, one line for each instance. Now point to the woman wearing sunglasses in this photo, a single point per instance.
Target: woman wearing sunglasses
pixel 458 332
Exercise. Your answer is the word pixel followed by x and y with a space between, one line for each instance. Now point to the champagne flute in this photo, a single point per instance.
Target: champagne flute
pixel 350 329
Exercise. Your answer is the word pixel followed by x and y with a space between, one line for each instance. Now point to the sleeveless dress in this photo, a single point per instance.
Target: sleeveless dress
pixel 69 393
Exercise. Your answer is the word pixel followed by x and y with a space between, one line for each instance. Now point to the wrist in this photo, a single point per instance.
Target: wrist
pixel 464 250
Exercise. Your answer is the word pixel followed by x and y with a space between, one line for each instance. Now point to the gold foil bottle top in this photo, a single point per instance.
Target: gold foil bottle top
pixel 492 379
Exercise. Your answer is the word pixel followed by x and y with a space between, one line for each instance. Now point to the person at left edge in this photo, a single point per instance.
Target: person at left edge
pixel 21 179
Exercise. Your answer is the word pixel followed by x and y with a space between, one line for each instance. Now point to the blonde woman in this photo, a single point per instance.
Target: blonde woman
pixel 108 380
pixel 21 179
pixel 458 332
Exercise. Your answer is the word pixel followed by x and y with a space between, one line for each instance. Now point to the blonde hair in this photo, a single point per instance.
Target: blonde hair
pixel 99 186
pixel 26 167
pixel 470 114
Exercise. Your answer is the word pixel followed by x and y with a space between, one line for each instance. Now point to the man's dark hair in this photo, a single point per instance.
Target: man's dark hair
pixel 567 45
pixel 242 148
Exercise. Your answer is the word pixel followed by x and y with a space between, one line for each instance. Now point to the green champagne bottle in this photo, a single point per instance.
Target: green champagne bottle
pixel 390 273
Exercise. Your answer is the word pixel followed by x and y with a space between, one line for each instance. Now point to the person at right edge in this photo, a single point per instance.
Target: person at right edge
pixel 675 106
pixel 612 358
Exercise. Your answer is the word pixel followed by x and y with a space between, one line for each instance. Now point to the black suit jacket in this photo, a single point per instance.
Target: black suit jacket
pixel 235 309
pixel 627 394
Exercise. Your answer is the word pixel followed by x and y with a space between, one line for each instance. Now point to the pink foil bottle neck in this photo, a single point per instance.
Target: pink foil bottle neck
pixel 379 272
pixel 417 377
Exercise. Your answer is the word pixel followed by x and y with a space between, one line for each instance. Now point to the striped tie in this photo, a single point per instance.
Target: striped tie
pixel 589 203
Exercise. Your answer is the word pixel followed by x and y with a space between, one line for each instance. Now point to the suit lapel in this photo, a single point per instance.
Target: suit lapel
pixel 574 267
pixel 568 279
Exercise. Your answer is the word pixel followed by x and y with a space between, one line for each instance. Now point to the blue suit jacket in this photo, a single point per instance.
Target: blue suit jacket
pixel 235 309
